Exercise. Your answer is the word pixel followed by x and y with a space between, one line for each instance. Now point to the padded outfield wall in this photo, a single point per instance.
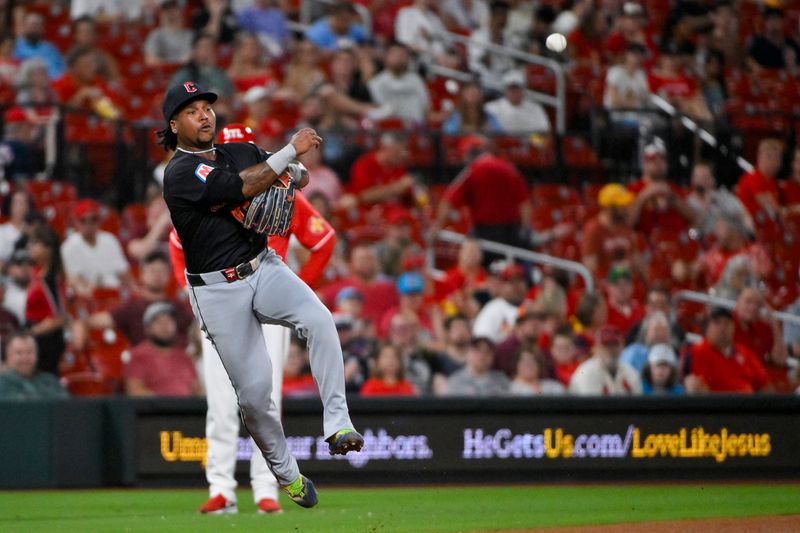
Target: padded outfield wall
pixel 149 442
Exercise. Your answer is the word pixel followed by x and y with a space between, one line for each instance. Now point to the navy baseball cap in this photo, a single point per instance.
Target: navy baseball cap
pixel 180 95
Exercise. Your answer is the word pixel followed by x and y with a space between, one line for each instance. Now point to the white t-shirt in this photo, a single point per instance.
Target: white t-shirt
pixel 495 320
pixel 592 379
pixel 407 94
pixel 15 299
pixel 100 265
pixel 526 117
pixel 417 28
pixel 549 387
pixel 9 235
pixel 625 83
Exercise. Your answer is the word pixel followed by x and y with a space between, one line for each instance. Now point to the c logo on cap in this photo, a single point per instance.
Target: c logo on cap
pixel 190 87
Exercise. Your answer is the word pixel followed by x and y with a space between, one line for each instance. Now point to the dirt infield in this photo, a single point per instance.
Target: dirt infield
pixel 756 524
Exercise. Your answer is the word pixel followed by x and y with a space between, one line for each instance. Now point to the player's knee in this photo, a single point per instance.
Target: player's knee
pixel 255 397
pixel 318 318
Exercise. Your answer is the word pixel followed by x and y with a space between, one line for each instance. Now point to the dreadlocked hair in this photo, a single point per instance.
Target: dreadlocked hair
pixel 167 139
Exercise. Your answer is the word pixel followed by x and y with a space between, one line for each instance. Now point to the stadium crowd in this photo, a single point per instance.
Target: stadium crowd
pixel 89 294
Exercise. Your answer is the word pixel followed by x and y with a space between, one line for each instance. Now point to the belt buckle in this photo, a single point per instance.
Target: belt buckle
pixel 243 270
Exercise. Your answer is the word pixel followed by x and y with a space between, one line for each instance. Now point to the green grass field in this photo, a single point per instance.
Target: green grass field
pixel 417 510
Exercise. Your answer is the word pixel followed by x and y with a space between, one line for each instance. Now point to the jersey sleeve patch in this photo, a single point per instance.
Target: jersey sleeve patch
pixel 202 171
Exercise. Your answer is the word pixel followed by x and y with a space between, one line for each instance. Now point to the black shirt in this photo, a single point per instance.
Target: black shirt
pixel 200 194
pixel 766 54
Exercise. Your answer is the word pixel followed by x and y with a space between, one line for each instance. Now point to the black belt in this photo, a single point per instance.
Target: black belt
pixel 229 275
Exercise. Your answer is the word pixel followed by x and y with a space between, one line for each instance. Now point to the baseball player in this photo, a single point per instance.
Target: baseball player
pixel 222 418
pixel 224 201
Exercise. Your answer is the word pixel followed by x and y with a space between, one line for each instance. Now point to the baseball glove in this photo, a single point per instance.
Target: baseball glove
pixel 271 211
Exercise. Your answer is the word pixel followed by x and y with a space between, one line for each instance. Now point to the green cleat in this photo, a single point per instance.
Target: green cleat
pixel 302 492
pixel 345 440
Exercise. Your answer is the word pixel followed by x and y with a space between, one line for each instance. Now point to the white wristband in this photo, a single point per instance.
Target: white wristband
pixel 281 159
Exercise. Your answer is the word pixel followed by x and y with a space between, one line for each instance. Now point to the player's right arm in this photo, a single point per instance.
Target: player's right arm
pixel 258 178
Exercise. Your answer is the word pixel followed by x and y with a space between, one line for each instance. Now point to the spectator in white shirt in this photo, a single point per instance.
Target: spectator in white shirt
pixel 627 86
pixel 603 374
pixel 516 113
pixel 497 318
pixel 399 88
pixel 464 15
pixel 170 42
pixel 17 208
pixel 420 28
pixel 92 257
pixel 19 272
pixel 483 62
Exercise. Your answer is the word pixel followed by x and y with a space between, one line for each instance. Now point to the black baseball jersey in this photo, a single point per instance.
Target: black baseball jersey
pixel 200 194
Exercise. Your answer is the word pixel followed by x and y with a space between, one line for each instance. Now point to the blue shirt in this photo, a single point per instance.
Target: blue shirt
pixel 676 389
pixel 270 22
pixel 320 34
pixel 43 50
pixel 452 125
pixel 635 355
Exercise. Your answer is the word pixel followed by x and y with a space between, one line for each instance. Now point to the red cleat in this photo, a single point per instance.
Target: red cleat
pixel 218 505
pixel 268 506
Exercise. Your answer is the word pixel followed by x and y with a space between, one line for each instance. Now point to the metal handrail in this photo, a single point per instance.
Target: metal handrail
pixel 513 252
pixel 727 303
pixel 693 127
pixel 558 101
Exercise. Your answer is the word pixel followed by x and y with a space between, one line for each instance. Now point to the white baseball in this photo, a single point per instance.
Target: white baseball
pixel 556 42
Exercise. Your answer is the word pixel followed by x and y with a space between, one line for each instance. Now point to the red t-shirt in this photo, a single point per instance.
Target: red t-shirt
pixel 790 193
pixel 297 386
pixel 741 372
pixel 79 126
pixel 492 188
pixel 583 48
pixel 378 387
pixel 653 216
pixel 756 336
pixel 609 245
pixel 564 372
pixel 170 374
pixel 624 321
pixel 752 184
pixel 41 303
pixel 367 172
pixel 677 87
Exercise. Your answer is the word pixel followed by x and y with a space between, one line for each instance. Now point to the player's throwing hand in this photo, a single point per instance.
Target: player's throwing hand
pixel 305 139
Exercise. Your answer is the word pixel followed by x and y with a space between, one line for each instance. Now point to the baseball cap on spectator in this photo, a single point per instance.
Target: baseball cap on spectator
pixel 14 114
pixel 655 148
pixel 235 133
pixel 632 9
pixel 348 293
pixel 512 271
pixel 254 94
pixel 183 94
pixel 85 208
pixel 614 195
pixel 410 283
pixel 513 78
pixel 618 272
pixel 155 309
pixel 610 335
pixel 662 354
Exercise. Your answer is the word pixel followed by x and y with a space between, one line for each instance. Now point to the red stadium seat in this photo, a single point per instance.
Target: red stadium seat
pixel 45 192
pixel 87 384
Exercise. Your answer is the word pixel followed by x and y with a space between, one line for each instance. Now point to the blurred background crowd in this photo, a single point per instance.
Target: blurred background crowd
pixel 653 157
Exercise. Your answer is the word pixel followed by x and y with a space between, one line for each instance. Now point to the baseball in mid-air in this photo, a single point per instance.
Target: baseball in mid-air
pixel 556 42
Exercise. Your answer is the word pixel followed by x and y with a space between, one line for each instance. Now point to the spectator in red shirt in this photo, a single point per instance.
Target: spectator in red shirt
pixel 729 242
pixel 297 378
pixel 586 41
pixel 659 204
pixel 158 366
pixel 388 375
pixel 468 275
pixel 495 193
pixel 524 336
pixel 762 335
pixel 411 288
pixel 607 238
pixel 624 311
pixel 84 91
pixel 564 354
pixel 668 81
pixel 630 27
pixel 45 307
pixel 718 364
pixel 379 293
pixel 381 176
pixel 758 190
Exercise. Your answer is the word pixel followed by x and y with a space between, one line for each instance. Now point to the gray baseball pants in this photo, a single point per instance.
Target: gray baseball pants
pixel 231 315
